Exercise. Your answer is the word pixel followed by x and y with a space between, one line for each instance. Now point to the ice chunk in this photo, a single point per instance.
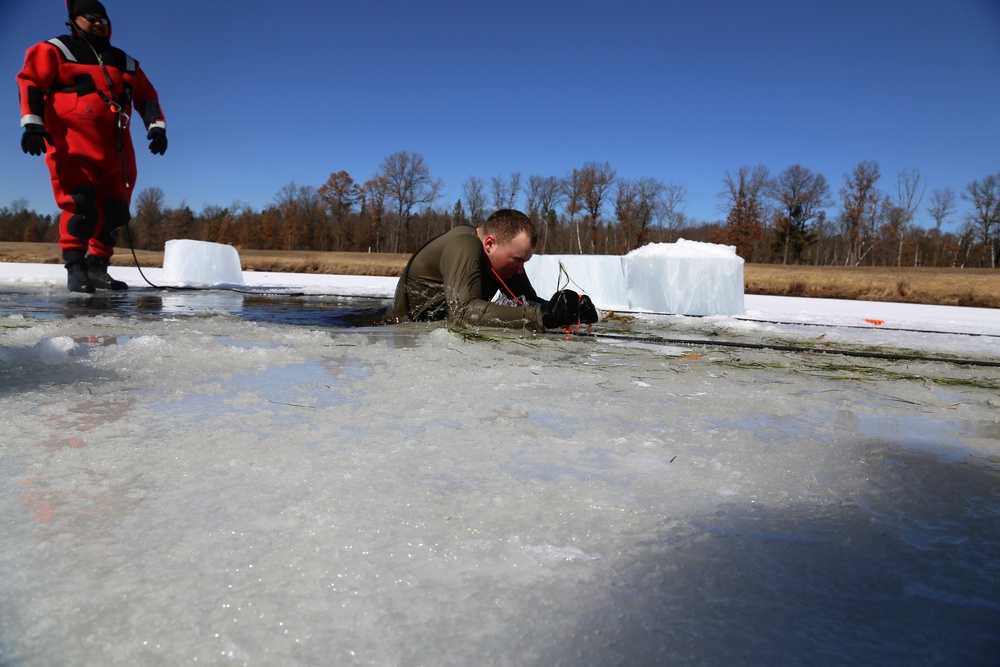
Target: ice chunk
pixel 56 350
pixel 683 278
pixel 187 262
pixel 48 351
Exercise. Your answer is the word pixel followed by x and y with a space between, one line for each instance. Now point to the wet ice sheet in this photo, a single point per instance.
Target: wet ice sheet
pixel 207 488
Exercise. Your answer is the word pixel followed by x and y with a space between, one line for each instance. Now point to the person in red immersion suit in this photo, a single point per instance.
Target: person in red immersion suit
pixel 77 93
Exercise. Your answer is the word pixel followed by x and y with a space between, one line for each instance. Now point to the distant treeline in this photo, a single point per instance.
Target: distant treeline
pixel 782 219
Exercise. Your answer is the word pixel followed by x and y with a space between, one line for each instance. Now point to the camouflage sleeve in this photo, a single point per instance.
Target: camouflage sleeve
pixel 462 267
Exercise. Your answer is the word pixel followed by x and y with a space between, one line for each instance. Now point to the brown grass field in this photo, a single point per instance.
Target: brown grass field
pixel 951 287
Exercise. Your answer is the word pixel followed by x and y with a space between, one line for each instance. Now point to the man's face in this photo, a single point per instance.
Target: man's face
pixel 93 24
pixel 508 259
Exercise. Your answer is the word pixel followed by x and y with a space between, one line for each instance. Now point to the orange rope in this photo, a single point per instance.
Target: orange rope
pixel 509 291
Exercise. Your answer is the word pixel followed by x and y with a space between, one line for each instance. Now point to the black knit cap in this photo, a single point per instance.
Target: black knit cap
pixel 80 7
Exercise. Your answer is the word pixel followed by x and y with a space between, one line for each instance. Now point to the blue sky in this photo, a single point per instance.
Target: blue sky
pixel 259 95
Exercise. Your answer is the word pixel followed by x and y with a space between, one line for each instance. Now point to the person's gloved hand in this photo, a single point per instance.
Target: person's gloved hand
pixel 561 310
pixel 34 139
pixel 588 312
pixel 157 141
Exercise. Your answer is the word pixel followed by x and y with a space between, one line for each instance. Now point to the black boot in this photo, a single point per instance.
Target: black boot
pixel 78 279
pixel 97 271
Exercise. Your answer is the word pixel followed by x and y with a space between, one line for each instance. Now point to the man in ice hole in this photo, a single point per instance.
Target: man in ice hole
pixel 456 275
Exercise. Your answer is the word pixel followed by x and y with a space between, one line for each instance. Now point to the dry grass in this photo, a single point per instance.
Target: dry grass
pixel 952 287
pixel 948 287
pixel 294 261
pixel 345 263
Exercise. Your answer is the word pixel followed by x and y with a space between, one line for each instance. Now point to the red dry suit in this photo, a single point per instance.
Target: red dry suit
pixel 86 108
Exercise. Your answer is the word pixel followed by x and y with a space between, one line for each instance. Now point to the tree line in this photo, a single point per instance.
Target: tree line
pixel 792 217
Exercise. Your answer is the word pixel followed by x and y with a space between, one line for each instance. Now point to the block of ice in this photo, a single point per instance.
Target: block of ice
pixel 683 278
pixel 187 262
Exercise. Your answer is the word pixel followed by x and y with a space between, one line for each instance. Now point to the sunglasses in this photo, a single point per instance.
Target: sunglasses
pixel 94 18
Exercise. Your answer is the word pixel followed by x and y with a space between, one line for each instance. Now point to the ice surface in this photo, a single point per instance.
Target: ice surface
pixel 182 485
pixel 187 262
pixel 683 278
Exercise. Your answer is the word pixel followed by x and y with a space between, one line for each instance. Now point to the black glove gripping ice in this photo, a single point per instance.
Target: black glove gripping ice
pixel 588 312
pixel 34 139
pixel 561 310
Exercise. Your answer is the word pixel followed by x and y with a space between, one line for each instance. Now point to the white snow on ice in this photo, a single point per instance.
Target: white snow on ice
pixel 185 484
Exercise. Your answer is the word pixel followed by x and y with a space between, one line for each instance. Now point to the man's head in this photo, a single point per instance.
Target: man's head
pixel 90 17
pixel 509 239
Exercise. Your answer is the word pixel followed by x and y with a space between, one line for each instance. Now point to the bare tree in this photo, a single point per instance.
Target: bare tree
pixel 670 214
pixel 475 199
pixel 598 179
pixel 300 212
pixel 910 188
pixel 374 193
pixel 636 206
pixel 213 223
pixel 313 215
pixel 340 193
pixel 505 191
pixel 284 204
pixel 409 184
pixel 985 198
pixel 178 223
pixel 572 187
pixel 148 219
pixel 744 199
pixel 241 225
pixel 966 241
pixel 942 207
pixel 543 194
pixel 801 195
pixel 861 207
pixel 19 223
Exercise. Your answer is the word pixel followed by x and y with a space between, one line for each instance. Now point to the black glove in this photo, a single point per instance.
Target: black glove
pixel 561 310
pixel 588 313
pixel 34 138
pixel 157 141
